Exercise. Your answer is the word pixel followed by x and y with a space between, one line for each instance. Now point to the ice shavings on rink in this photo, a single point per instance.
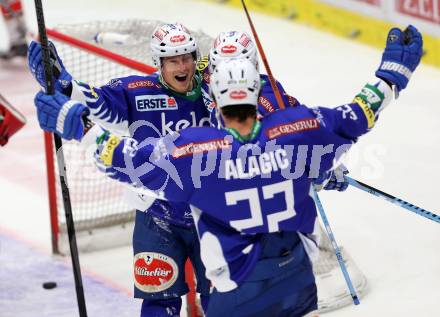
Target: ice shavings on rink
pixel 23 270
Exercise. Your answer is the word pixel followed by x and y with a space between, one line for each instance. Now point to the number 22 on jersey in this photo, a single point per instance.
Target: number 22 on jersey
pixel 254 199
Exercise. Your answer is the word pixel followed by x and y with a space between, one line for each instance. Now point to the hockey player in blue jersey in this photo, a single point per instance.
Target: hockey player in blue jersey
pixel 249 184
pixel 332 289
pixel 148 107
pixel 154 106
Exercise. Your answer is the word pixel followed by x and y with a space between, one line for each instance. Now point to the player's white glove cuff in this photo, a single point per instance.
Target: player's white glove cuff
pixel 386 90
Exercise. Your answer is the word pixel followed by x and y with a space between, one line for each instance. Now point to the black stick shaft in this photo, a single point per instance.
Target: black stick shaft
pixel 61 166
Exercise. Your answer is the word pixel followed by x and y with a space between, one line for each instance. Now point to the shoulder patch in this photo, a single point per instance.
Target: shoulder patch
pixel 140 84
pixel 200 147
pixel 267 105
pixel 115 82
pixel 292 128
pixel 292 101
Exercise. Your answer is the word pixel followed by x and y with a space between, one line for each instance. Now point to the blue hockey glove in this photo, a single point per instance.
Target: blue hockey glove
pixel 332 180
pixel 57 113
pixel 402 54
pixel 63 80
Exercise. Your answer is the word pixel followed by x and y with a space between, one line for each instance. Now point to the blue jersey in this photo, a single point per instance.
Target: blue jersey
pixel 143 107
pixel 267 102
pixel 238 191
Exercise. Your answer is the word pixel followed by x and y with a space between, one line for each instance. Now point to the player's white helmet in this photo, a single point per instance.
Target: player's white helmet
pixel 233 44
pixel 172 40
pixel 235 82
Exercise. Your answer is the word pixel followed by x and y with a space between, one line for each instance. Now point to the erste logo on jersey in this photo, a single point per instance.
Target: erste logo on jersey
pixel 154 272
pixel 155 103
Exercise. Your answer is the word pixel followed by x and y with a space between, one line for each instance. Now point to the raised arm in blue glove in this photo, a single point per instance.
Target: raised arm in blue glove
pixel 35 60
pixel 401 57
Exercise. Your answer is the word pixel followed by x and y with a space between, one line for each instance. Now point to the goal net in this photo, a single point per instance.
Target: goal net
pixel 95 53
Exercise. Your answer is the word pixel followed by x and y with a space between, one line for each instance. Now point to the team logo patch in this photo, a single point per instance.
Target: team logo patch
pixel 140 84
pixel 154 272
pixel 229 49
pixel 200 147
pixel 266 104
pixel 114 83
pixel 292 127
pixel 292 101
pixel 155 103
pixel 238 94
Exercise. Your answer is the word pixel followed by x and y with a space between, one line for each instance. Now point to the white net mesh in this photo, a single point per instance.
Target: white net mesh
pixel 97 202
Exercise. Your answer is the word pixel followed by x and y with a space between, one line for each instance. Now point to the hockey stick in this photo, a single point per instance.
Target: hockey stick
pixel 61 166
pixel 272 81
pixel 336 248
pixel 318 202
pixel 394 200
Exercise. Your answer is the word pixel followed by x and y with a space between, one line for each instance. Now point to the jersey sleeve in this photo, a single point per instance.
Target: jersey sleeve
pixel 358 117
pixel 267 102
pixel 108 104
pixel 149 164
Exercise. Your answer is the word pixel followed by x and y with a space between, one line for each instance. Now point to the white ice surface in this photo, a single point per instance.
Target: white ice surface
pixel 395 249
